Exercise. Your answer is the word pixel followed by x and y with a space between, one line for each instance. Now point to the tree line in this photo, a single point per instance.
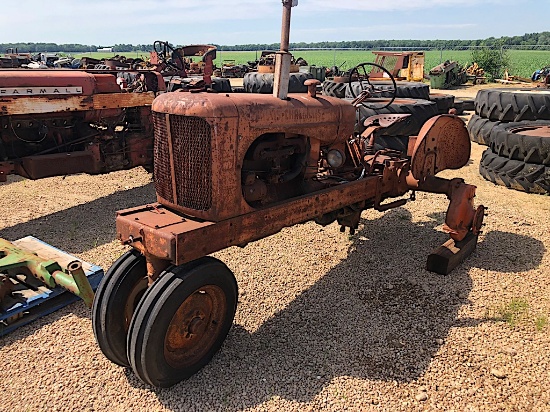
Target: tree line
pixel 528 39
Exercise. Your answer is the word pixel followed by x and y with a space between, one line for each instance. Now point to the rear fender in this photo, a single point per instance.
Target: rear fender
pixel 443 143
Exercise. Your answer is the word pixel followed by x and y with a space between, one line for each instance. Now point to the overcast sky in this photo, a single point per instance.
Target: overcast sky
pixel 229 22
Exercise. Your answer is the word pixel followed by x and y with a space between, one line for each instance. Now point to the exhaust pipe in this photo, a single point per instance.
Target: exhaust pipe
pixel 282 59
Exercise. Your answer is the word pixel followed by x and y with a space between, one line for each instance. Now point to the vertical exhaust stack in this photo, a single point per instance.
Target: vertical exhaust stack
pixel 282 60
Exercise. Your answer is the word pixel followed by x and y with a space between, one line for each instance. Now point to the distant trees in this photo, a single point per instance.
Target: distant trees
pixel 528 39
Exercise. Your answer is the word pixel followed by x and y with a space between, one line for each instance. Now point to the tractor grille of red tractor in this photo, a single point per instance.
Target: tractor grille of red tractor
pixel 192 151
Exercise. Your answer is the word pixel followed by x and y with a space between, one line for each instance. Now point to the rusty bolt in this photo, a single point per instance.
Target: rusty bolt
pixel 312 86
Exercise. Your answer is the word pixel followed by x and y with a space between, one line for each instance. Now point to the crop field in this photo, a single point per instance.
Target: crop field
pixel 522 62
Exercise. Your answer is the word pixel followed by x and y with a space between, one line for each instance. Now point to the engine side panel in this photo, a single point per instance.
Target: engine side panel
pixel 236 121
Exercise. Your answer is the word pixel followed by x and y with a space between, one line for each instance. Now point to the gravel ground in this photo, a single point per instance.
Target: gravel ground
pixel 325 321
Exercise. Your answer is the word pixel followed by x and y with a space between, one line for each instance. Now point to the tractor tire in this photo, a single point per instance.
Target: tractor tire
pixel 263 82
pixel 334 89
pixel 480 129
pixel 468 104
pixel 514 174
pixel 513 105
pixel 221 85
pixel 444 102
pixel 420 111
pixel 527 141
pixel 409 90
pixel 182 321
pixel 458 107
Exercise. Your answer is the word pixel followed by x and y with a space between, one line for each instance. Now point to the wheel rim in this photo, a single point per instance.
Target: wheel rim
pixel 133 299
pixel 195 326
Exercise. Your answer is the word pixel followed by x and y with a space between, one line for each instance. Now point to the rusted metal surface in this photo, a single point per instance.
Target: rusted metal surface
pixel 442 143
pixel 531 130
pixel 96 103
pixel 460 215
pixel 181 239
pixel 242 138
pixel 62 122
pixel 195 326
pixel 229 124
pixel 312 87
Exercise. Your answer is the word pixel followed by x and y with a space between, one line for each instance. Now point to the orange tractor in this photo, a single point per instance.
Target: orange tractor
pixel 230 169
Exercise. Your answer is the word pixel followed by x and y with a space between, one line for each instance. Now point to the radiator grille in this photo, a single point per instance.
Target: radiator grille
pixel 162 176
pixel 192 151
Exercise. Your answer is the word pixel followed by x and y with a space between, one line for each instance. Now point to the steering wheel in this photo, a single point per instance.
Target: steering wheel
pixel 163 50
pixel 379 96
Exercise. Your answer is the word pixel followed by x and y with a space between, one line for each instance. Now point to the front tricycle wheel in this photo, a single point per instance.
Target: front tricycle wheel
pixel 115 301
pixel 182 321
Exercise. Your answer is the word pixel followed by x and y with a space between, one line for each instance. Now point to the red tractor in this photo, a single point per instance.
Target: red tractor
pixel 230 169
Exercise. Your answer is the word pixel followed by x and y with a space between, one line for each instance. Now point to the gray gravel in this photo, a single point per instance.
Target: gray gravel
pixel 325 321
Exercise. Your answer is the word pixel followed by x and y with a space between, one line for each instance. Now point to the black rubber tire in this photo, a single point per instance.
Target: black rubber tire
pixel 458 105
pixel 514 174
pixel 410 90
pixel 109 322
pixel 150 324
pixel 514 105
pixel 420 110
pixel 334 89
pixel 506 141
pixel 221 85
pixel 468 104
pixel 480 129
pixel 263 82
pixel 444 102
pixel 238 90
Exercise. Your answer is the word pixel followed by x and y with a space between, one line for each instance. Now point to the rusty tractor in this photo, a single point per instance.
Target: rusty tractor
pixel 58 122
pixel 234 168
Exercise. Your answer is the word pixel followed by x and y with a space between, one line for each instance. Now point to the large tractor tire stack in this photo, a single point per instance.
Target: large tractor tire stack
pixel 515 124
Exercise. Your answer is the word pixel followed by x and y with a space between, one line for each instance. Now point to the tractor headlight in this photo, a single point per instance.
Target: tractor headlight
pixel 335 158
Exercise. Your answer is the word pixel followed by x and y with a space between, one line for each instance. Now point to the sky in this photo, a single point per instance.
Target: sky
pixel 231 22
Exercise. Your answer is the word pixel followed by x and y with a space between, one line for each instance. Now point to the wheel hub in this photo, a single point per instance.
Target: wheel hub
pixel 195 326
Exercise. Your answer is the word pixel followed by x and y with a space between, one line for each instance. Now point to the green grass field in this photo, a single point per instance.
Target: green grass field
pixel 522 62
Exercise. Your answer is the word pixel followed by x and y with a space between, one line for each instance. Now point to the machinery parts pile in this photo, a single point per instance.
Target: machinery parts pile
pixel 446 75
pixel 515 124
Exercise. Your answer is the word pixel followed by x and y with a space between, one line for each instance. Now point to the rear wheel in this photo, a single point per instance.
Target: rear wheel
pixel 509 105
pixel 182 321
pixel 444 102
pixel 115 301
pixel 528 141
pixel 263 82
pixel 480 129
pixel 514 174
